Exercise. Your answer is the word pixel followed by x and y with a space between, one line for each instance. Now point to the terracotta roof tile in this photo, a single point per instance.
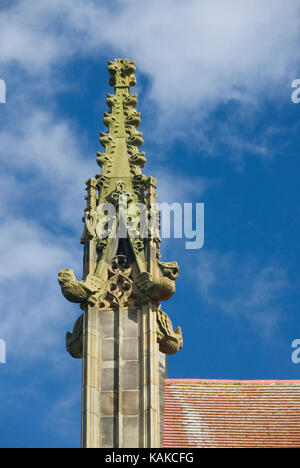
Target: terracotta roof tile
pixel 224 413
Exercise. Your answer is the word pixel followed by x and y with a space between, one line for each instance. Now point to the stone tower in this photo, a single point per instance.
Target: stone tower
pixel 122 335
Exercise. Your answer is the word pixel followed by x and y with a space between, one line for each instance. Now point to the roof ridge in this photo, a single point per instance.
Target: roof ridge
pixel 229 381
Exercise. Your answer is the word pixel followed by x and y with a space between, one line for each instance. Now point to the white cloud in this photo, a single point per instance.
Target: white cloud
pixel 42 193
pixel 27 250
pixel 196 53
pixel 42 158
pixel 9 193
pixel 48 145
pixel 33 311
pixel 173 187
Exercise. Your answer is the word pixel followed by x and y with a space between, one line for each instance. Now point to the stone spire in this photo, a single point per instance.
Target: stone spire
pixel 123 334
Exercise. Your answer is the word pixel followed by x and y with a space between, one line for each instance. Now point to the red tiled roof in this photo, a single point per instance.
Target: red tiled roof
pixel 231 413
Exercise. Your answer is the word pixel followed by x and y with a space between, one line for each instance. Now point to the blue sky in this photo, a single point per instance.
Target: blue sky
pixel 214 85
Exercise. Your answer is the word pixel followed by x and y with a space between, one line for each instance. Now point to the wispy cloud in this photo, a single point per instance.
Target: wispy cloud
pixel 174 187
pixel 43 171
pixel 32 312
pixel 243 289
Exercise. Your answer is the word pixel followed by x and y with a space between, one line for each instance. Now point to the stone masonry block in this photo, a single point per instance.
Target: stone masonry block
pixel 130 349
pixel 131 375
pixel 131 403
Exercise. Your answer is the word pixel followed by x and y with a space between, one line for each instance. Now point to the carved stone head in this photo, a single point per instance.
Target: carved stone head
pixel 64 276
pixel 169 269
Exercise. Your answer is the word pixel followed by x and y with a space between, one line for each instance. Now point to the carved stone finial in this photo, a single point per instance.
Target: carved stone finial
pixel 121 73
pixel 111 281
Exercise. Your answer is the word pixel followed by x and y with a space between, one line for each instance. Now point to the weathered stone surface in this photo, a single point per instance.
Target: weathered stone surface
pixel 162 377
pixel 109 350
pixel 130 431
pixel 130 375
pixel 130 323
pixel 108 432
pixel 108 403
pixel 109 378
pixel 130 403
pixel 130 349
pixel 107 324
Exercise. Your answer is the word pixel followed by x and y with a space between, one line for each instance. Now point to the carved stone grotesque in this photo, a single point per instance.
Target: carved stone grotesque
pixel 157 290
pixel 169 269
pixel 79 291
pixel 74 339
pixel 170 341
pixel 160 289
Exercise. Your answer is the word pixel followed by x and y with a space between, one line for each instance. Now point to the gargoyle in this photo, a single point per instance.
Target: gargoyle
pixel 160 289
pixel 169 269
pixel 74 339
pixel 170 341
pixel 79 292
